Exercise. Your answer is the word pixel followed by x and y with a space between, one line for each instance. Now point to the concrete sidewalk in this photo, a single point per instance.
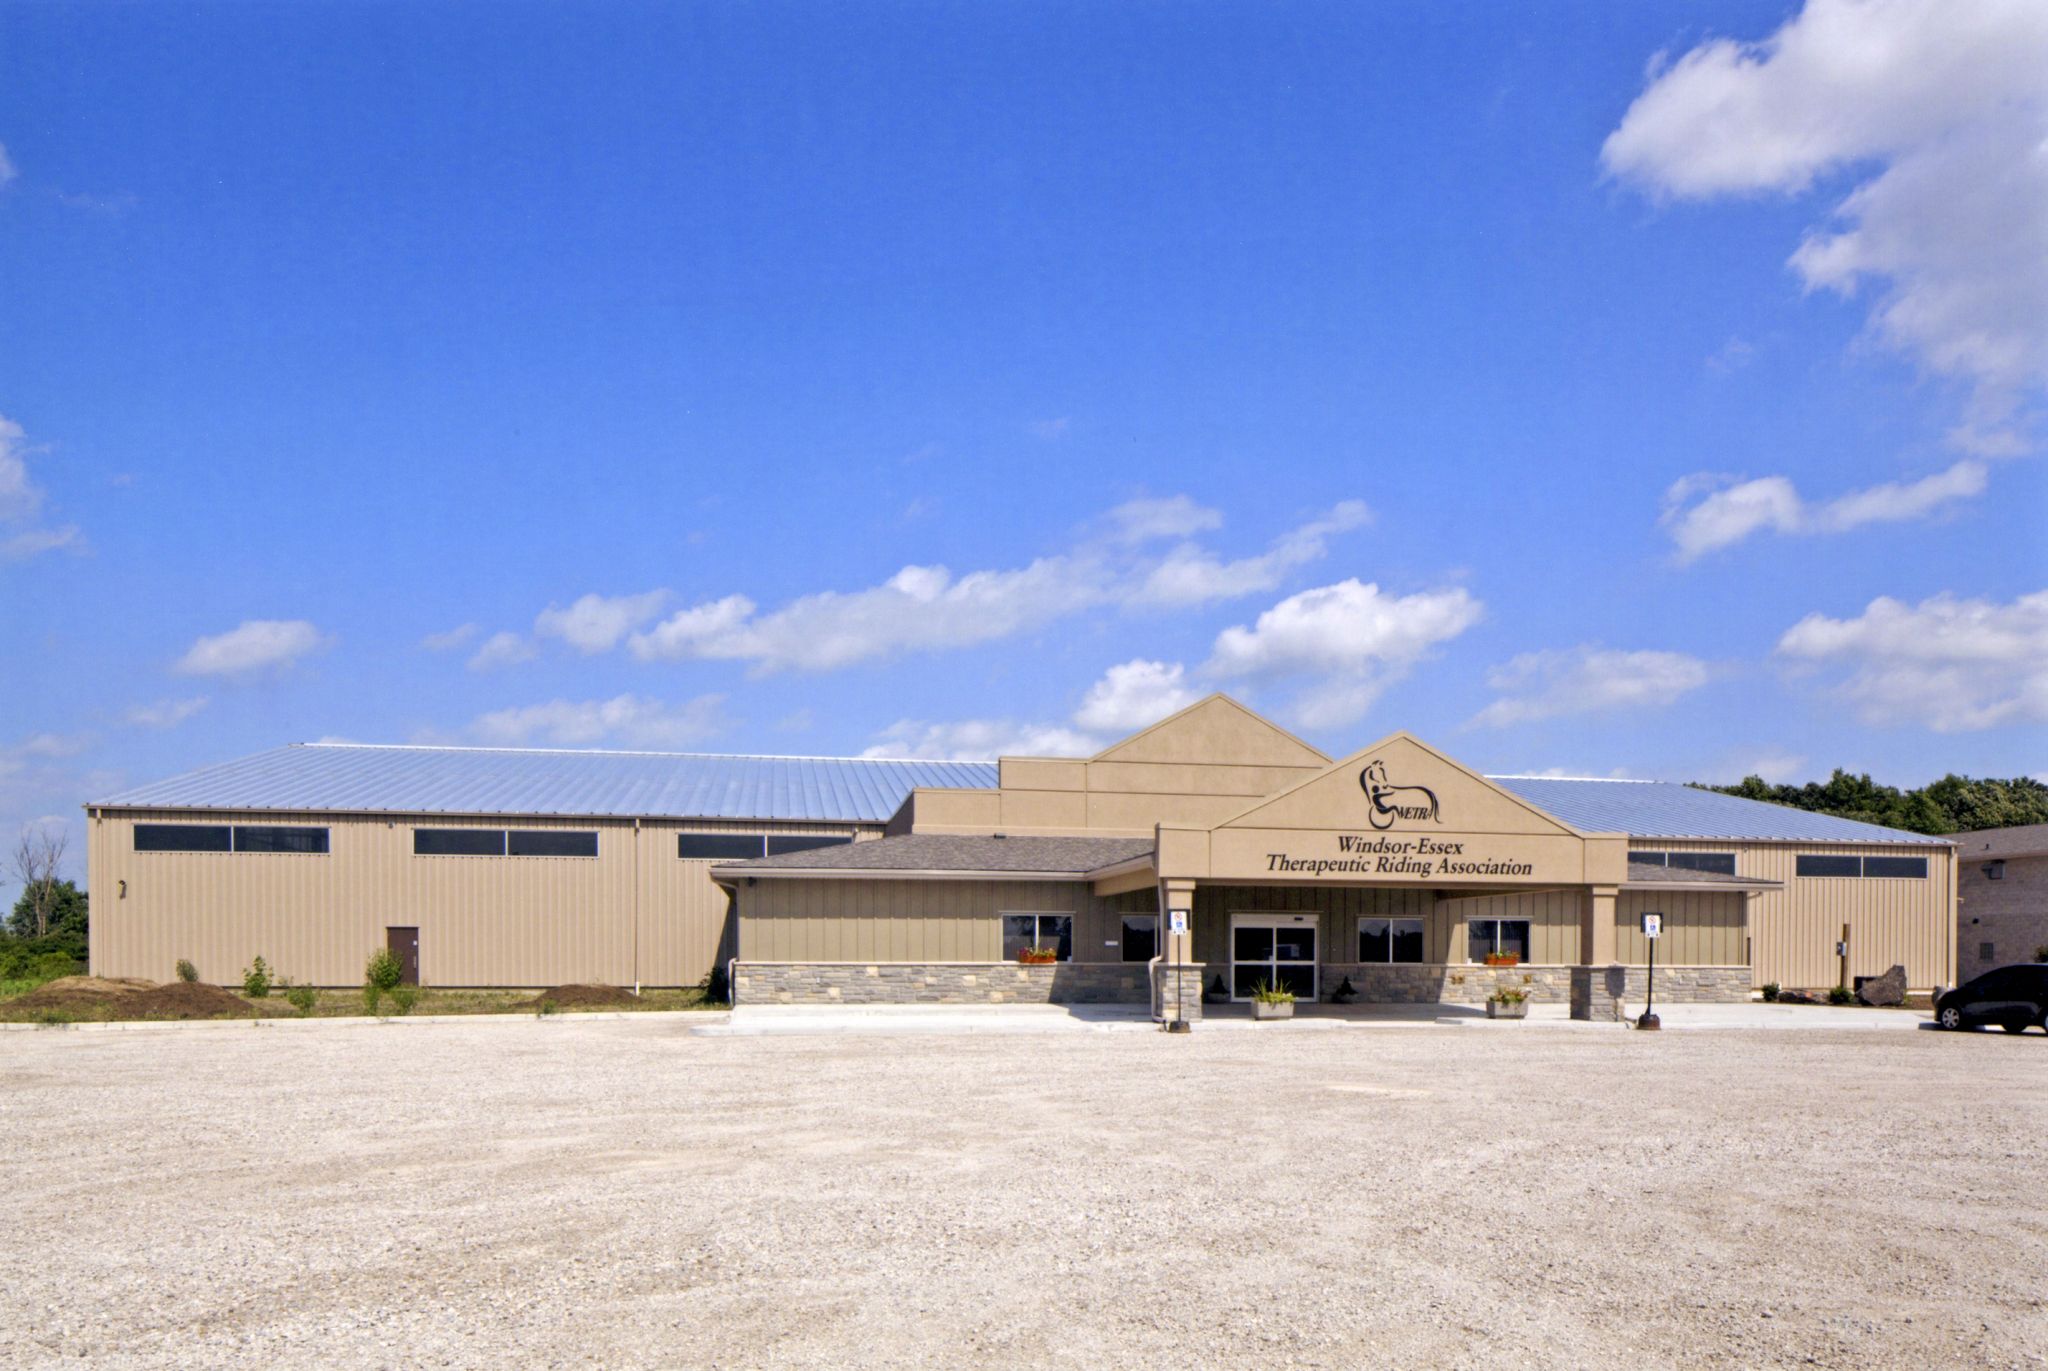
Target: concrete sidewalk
pixel 886 1020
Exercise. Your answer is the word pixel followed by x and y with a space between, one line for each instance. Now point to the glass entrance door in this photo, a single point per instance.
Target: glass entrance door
pixel 1273 949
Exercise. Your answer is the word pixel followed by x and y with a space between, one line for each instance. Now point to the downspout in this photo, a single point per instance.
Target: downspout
pixel 636 906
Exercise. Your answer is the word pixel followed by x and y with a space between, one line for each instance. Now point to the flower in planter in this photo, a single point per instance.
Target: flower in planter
pixel 1272 994
pixel 1503 959
pixel 1508 995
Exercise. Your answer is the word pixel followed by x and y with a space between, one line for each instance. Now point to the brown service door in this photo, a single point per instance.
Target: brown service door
pixel 405 945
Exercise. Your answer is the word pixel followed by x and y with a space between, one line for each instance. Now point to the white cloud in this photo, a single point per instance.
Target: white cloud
pixel 599 623
pixel 257 645
pixel 1704 513
pixel 1775 765
pixel 631 720
pixel 459 636
pixel 1191 575
pixel 929 608
pixel 164 713
pixel 1587 680
pixel 21 499
pixel 979 740
pixel 1941 108
pixel 501 649
pixel 1135 695
pixel 7 169
pixel 1173 516
pixel 1349 640
pixel 1952 665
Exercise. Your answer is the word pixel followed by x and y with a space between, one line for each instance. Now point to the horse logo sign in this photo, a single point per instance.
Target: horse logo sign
pixel 1390 802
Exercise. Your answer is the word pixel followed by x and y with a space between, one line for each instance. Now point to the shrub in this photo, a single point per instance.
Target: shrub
pixel 1272 994
pixel 403 997
pixel 1841 994
pixel 302 998
pixel 382 970
pixel 543 1008
pixel 1508 995
pixel 1771 989
pixel 370 994
pixel 716 991
pixel 2041 953
pixel 256 980
pixel 187 972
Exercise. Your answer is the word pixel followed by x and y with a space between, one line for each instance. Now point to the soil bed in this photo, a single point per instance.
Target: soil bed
pixel 587 997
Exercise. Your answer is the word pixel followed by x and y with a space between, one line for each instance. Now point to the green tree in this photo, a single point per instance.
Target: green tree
pixel 1953 804
pixel 66 908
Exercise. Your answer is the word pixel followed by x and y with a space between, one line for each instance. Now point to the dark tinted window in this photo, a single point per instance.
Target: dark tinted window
pixel 550 842
pixel 251 838
pixel 1407 940
pixel 1141 937
pixel 182 838
pixel 1723 862
pixel 1650 858
pixel 458 842
pixel 725 847
pixel 802 842
pixel 1913 868
pixel 1810 864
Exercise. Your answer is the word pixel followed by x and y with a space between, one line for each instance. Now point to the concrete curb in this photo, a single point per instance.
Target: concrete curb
pixel 705 1017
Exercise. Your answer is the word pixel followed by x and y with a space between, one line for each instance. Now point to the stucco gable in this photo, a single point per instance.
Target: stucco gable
pixel 1217 731
pixel 1400 785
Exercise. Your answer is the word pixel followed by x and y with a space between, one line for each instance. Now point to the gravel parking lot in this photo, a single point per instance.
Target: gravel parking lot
pixel 626 1193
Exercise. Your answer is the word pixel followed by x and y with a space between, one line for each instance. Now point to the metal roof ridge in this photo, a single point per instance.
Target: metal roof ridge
pixel 645 752
pixel 1611 780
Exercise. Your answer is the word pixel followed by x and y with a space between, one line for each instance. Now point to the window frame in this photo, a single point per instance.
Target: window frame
pixel 325 848
pixel 1124 935
pixel 513 834
pixel 1421 935
pixel 1065 949
pixel 419 831
pixel 1870 875
pixel 227 832
pixel 1799 860
pixel 760 841
pixel 1478 957
pixel 780 844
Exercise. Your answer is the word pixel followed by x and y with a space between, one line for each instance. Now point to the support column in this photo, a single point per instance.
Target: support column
pixel 1177 994
pixel 1592 996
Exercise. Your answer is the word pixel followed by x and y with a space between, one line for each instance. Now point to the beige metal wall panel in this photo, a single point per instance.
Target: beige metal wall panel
pixel 1217 730
pixel 1042 773
pixel 614 919
pixel 1553 917
pixel 1701 927
pixel 918 921
pixel 1341 909
pixel 1792 931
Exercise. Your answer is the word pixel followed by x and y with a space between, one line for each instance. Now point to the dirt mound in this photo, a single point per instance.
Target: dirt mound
pixel 80 995
pixel 185 1000
pixel 586 997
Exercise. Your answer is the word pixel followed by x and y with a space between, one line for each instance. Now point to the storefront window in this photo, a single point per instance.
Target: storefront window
pixel 1021 931
pixel 1484 937
pixel 1141 937
pixel 1390 940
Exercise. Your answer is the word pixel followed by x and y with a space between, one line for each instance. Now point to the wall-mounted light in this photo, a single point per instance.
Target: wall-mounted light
pixel 122 890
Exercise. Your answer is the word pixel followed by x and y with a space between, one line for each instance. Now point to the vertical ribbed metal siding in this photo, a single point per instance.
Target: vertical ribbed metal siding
pixel 1792 931
pixel 512 921
pixel 916 920
pixel 1701 927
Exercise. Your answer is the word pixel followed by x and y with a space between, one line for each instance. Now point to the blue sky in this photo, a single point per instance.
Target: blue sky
pixel 591 375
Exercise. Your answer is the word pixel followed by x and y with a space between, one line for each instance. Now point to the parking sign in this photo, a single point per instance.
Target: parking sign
pixel 1653 925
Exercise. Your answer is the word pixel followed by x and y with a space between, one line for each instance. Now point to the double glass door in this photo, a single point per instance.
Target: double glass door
pixel 1273 949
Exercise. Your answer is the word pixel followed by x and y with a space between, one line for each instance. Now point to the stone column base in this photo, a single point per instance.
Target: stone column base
pixel 1607 993
pixel 1190 984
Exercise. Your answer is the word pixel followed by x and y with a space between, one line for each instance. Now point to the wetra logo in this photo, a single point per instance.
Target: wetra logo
pixel 1415 803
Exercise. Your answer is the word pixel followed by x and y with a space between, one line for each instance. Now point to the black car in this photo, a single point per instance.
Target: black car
pixel 2012 997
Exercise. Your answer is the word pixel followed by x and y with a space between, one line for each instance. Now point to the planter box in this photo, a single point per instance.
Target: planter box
pixel 1496 1010
pixel 1262 1010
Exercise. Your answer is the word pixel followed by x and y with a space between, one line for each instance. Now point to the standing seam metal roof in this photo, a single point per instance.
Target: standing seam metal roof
pixel 354 778
pixel 358 778
pixel 1665 809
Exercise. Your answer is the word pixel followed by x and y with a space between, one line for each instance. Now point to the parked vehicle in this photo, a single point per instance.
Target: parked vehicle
pixel 2013 997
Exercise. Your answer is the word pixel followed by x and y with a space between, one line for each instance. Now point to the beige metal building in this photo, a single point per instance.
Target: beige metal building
pixel 1392 875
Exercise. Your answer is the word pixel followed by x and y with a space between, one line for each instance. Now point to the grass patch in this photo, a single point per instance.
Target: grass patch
pixel 338 1003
